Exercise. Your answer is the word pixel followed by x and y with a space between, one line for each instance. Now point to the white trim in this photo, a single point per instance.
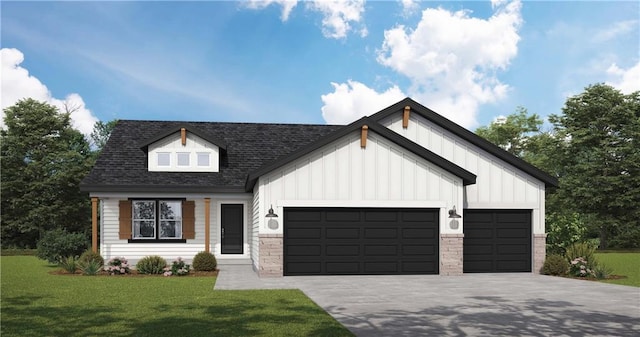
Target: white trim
pixel 246 252
pixel 359 203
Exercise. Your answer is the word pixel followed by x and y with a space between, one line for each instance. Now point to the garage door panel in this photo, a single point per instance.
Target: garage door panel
pixel 353 243
pixel 304 268
pixel 304 233
pixel 420 250
pixel 418 233
pixel 497 241
pixel 304 250
pixel 342 267
pixel 343 216
pixel 380 250
pixel 381 267
pixel 303 216
pixel 381 233
pixel 342 233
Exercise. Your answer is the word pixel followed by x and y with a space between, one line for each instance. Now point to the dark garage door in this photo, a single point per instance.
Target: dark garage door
pixel 356 241
pixel 497 241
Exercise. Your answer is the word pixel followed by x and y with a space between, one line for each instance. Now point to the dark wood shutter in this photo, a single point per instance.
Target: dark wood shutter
pixel 189 219
pixel 125 219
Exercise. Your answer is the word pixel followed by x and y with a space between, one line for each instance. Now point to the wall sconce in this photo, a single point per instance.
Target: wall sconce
pixel 272 214
pixel 453 214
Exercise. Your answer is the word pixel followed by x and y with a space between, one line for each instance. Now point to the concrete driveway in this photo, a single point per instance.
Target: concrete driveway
pixel 470 305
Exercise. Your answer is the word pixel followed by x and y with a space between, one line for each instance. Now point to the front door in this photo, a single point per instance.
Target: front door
pixel 232 236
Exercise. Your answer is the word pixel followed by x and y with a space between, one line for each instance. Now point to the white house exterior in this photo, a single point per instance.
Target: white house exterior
pixel 378 196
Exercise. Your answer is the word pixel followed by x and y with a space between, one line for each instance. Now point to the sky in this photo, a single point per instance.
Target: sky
pixel 312 62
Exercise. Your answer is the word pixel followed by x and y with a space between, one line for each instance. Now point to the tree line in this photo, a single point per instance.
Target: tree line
pixel 592 147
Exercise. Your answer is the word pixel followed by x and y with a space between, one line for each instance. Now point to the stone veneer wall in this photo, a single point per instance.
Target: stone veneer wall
pixel 539 251
pixel 451 254
pixel 271 255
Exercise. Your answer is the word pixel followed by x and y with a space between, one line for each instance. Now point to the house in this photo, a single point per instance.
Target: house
pixel 403 191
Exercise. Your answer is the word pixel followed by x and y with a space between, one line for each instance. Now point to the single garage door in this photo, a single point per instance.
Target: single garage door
pixel 497 241
pixel 360 241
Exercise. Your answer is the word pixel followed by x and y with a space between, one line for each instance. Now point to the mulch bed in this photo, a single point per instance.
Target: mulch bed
pixel 134 273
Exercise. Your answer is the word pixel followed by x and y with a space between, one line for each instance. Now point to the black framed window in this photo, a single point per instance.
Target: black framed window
pixel 156 220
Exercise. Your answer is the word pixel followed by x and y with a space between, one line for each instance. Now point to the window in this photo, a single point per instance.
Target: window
pixel 203 159
pixel 157 219
pixel 164 159
pixel 183 158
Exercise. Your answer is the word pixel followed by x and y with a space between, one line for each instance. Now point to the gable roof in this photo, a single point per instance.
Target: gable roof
pixel 466 176
pixel 166 133
pixel 122 165
pixel 468 136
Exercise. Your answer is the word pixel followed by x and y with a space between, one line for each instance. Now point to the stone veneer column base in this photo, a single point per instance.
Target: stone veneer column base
pixel 451 254
pixel 539 251
pixel 271 255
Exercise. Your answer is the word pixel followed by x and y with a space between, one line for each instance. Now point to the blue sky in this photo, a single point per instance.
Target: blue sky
pixel 313 62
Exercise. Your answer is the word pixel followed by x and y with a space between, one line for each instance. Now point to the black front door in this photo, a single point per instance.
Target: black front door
pixel 232 228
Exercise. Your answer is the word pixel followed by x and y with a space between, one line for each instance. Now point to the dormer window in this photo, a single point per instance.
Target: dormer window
pixel 183 151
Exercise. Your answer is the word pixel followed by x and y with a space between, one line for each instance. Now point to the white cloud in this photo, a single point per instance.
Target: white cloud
pixel 338 16
pixel 625 80
pixel 615 30
pixel 452 58
pixel 287 6
pixel 409 7
pixel 352 100
pixel 18 84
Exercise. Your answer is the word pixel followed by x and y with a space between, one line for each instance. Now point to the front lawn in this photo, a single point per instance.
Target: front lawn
pixel 36 303
pixel 627 264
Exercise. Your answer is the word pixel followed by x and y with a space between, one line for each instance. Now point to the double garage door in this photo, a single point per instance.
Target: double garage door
pixel 368 241
pixel 360 241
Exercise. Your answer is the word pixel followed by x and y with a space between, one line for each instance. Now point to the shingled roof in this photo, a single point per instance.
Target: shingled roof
pixel 122 165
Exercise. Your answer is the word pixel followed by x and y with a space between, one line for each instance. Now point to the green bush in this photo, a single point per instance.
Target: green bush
pixel 57 244
pixel 153 264
pixel 90 256
pixel 69 264
pixel 555 265
pixel 178 267
pixel 204 261
pixel 601 271
pixel 90 267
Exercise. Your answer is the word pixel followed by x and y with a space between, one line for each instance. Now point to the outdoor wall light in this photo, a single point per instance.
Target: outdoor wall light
pixel 453 214
pixel 272 214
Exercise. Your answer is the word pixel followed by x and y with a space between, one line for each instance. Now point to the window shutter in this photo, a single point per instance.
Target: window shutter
pixel 125 219
pixel 189 219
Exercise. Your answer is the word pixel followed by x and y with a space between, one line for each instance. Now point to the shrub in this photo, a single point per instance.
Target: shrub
pixel 57 244
pixel 153 264
pixel 204 261
pixel 90 256
pixel 581 249
pixel 582 267
pixel 178 267
pixel 69 264
pixel 601 271
pixel 118 266
pixel 90 267
pixel 555 265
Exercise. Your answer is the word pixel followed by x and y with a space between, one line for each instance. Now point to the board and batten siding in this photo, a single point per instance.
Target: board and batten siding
pixel 111 246
pixel 499 185
pixel 342 174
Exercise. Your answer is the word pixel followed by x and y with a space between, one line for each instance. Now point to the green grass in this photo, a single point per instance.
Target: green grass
pixel 36 303
pixel 627 264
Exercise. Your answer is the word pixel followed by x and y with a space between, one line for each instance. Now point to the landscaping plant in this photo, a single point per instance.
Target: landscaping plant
pixel 117 266
pixel 90 256
pixel 178 267
pixel 152 264
pixel 57 244
pixel 204 261
pixel 555 265
pixel 69 264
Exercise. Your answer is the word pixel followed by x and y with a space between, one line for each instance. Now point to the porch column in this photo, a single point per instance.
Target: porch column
pixel 207 223
pixel 94 224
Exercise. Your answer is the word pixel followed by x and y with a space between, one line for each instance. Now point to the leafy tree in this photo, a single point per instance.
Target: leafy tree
pixel 43 160
pixel 513 133
pixel 101 132
pixel 601 131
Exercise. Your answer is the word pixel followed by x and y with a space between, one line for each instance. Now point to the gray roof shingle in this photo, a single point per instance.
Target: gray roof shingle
pixel 122 165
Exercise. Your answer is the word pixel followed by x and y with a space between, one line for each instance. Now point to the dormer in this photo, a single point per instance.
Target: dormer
pixel 183 150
